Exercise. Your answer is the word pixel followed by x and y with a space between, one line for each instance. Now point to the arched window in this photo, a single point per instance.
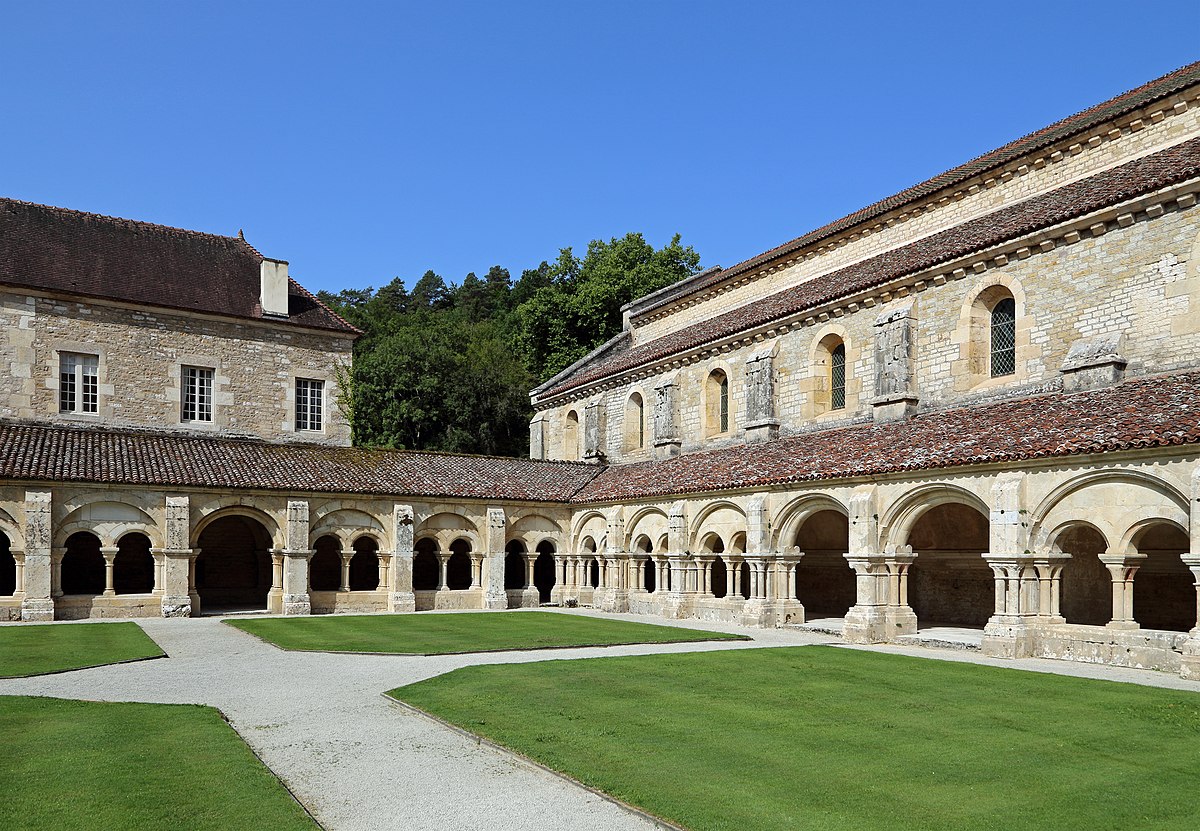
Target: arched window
pixel 635 423
pixel 716 403
pixel 364 565
pixel 837 378
pixel 571 437
pixel 1004 338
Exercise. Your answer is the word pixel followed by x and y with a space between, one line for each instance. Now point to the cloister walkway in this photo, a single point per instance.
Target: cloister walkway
pixel 320 723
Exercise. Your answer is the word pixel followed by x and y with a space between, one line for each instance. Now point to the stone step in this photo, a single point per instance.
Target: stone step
pixel 945 638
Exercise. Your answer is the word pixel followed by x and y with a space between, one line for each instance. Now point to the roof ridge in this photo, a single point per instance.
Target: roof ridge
pixel 306 293
pixel 121 221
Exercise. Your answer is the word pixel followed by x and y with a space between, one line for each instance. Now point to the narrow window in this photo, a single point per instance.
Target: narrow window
pixel 635 422
pixel 310 404
pixel 78 383
pixel 837 378
pixel 197 394
pixel 724 404
pixel 1004 338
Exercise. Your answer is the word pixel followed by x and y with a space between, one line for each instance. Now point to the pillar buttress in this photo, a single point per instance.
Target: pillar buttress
pixel 400 587
pixel 296 555
pixel 38 604
pixel 494 596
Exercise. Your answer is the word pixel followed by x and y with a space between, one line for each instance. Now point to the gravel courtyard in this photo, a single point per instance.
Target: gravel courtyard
pixel 356 761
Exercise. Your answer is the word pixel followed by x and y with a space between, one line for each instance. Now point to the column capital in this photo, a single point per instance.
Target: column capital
pixel 176 553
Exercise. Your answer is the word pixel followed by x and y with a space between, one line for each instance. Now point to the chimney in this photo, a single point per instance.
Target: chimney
pixel 274 280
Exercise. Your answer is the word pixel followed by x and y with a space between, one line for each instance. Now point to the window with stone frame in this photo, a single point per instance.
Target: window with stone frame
pixel 310 404
pixel 837 378
pixel 716 403
pixel 78 383
pixel 1003 331
pixel 196 394
pixel 635 422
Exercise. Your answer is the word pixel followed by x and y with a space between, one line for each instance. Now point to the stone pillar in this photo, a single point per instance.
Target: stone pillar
pixel 615 594
pixel 558 594
pixel 1122 568
pixel 179 598
pixel 866 622
pixel 593 431
pixel 56 559
pixel 400 587
pixel 19 556
pixel 759 609
pixel 443 559
pixel 667 441
pixel 110 556
pixel 38 603
pixel 1190 667
pixel 346 557
pixel 296 556
pixel 494 596
pixel 531 598
pixel 786 607
pixel 761 423
pixel 275 595
pixel 537 436
pixel 1010 631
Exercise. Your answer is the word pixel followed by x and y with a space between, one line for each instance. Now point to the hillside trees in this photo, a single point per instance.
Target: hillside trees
pixel 449 367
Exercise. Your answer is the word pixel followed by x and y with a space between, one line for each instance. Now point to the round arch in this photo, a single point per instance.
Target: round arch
pixel 788 519
pixel 898 520
pixel 233 568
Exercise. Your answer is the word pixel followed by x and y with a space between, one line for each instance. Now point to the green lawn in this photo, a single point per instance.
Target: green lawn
pixel 85 765
pixel 441 634
pixel 827 738
pixel 32 650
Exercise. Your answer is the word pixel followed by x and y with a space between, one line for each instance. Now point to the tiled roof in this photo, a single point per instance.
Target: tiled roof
pixel 1081 122
pixel 1135 178
pixel 95 256
pixel 1149 412
pixel 81 454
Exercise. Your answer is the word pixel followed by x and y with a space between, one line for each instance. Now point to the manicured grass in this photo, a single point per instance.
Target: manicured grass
pixel 85 765
pixel 32 650
pixel 827 738
pixel 434 634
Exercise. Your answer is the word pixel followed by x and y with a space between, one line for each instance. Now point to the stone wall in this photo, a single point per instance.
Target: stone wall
pixel 141 352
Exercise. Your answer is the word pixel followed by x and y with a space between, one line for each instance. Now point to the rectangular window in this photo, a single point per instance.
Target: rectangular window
pixel 78 383
pixel 310 404
pixel 197 394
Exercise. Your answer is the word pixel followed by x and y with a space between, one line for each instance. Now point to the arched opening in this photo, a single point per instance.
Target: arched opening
pixel 8 568
pixel 233 569
pixel 364 565
pixel 1002 331
pixel 594 573
pixel 635 423
pixel 571 436
pixel 716 403
pixel 825 583
pixel 133 565
pixel 426 570
pixel 514 565
pixel 325 567
pixel 950 583
pixel 82 565
pixel 544 571
pixel 1164 593
pixel 641 550
pixel 458 567
pixel 1086 586
pixel 719 577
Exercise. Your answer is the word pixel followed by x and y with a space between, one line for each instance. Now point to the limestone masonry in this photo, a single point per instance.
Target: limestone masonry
pixel 974 403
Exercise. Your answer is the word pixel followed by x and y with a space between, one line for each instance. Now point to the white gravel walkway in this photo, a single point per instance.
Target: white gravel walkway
pixel 357 762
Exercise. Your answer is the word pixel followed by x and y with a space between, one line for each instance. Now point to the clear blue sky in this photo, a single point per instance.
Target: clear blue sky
pixel 363 141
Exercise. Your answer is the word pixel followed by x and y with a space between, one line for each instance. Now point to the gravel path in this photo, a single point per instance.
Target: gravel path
pixel 319 721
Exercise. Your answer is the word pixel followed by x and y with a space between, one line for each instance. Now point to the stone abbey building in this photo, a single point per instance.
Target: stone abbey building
pixel 976 403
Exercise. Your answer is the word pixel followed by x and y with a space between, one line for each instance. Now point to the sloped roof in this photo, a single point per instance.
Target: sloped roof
pixel 90 255
pixel 1081 122
pixel 83 454
pixel 1148 412
pixel 1111 187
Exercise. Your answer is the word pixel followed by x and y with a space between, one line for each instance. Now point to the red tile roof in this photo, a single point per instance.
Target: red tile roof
pixel 96 256
pixel 1144 413
pixel 1089 119
pixel 1145 175
pixel 81 454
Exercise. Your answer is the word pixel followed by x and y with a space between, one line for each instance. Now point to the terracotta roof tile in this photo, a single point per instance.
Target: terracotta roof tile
pixel 1135 178
pixel 80 454
pixel 1149 412
pixel 96 256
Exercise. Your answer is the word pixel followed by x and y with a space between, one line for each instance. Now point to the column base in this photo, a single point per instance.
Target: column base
pixel 531 598
pixel 402 602
pixel 788 612
pixel 176 606
pixel 495 601
pixel 1004 637
pixel 901 620
pixel 1122 624
pixel 866 624
pixel 758 613
pixel 37 609
pixel 612 600
pixel 1189 664
pixel 296 604
pixel 676 607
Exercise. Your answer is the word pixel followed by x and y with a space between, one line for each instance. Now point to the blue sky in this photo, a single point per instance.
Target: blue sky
pixel 364 141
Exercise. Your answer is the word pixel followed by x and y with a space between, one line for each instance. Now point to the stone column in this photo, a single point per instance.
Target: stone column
pixel 1019 605
pixel 19 556
pixel 275 595
pixel 531 598
pixel 787 608
pixel 558 594
pixel 615 594
pixel 179 598
pixel 38 603
pixel 704 572
pixel 1122 568
pixel 296 556
pixel 56 559
pixel 733 578
pixel 443 559
pixel 400 587
pixel 1190 665
pixel 110 556
pixel 494 596
pixel 346 557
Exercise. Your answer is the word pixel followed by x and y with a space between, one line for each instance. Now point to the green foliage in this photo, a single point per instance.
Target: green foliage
pixel 433 634
pixel 449 367
pixel 827 738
